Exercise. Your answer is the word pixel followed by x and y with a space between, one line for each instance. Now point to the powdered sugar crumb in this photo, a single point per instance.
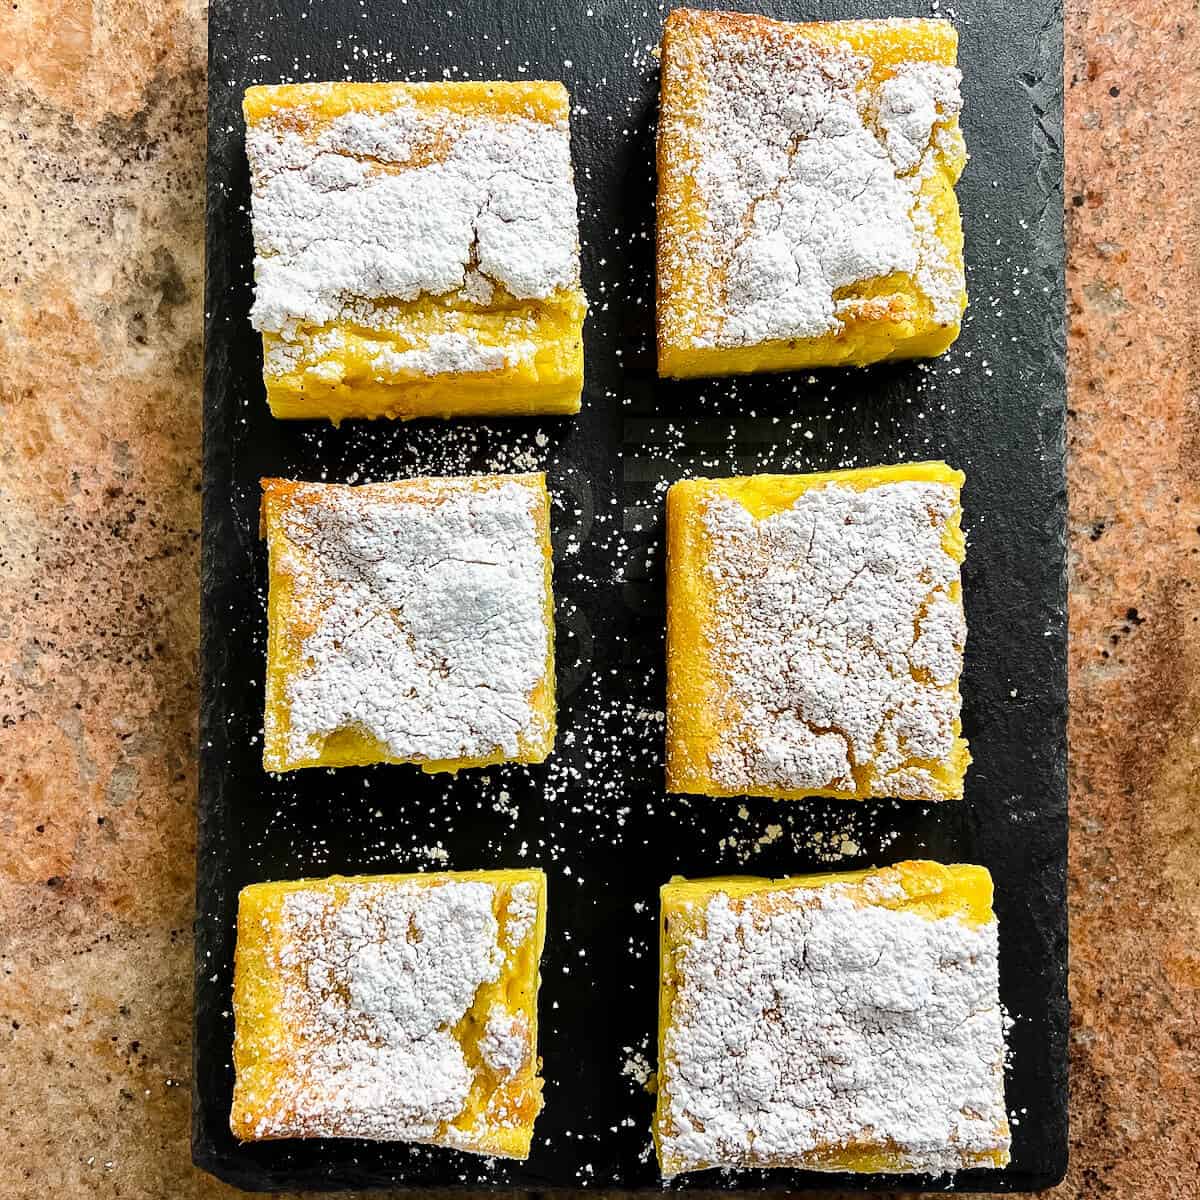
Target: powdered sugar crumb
pixel 521 914
pixel 637 1067
pixel 505 1043
pixel 448 353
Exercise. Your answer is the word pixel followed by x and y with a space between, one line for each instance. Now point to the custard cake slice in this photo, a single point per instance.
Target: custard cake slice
pixel 806 206
pixel 416 248
pixel 815 634
pixel 409 622
pixel 844 1022
pixel 391 1007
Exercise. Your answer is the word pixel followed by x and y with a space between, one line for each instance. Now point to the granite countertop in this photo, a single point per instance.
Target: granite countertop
pixel 102 127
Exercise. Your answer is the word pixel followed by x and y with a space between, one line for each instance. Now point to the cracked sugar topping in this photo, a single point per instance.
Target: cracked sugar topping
pixel 376 976
pixel 398 203
pixel 834 639
pixel 811 171
pixel 426 602
pixel 806 1020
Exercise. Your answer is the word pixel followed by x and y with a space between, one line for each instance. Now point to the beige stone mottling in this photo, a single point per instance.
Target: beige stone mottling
pixel 101 168
pixel 1133 91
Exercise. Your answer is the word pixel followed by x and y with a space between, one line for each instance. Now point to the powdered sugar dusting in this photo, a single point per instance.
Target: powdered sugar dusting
pixel 426 601
pixel 811 175
pixel 404 201
pixel 375 976
pixel 835 638
pixel 807 1021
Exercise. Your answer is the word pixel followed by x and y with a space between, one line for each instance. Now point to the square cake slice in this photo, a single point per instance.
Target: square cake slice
pixel 393 1007
pixel 806 206
pixel 846 1022
pixel 409 622
pixel 416 248
pixel 815 635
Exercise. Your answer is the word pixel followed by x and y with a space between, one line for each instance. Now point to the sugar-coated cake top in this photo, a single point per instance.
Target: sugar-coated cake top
pixel 811 1018
pixel 834 639
pixel 422 606
pixel 395 202
pixel 375 976
pixel 809 163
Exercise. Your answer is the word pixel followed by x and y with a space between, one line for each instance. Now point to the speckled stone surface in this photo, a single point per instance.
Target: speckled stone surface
pixel 1133 192
pixel 101 164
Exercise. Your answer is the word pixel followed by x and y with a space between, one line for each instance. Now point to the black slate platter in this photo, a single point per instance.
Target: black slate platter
pixel 595 816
